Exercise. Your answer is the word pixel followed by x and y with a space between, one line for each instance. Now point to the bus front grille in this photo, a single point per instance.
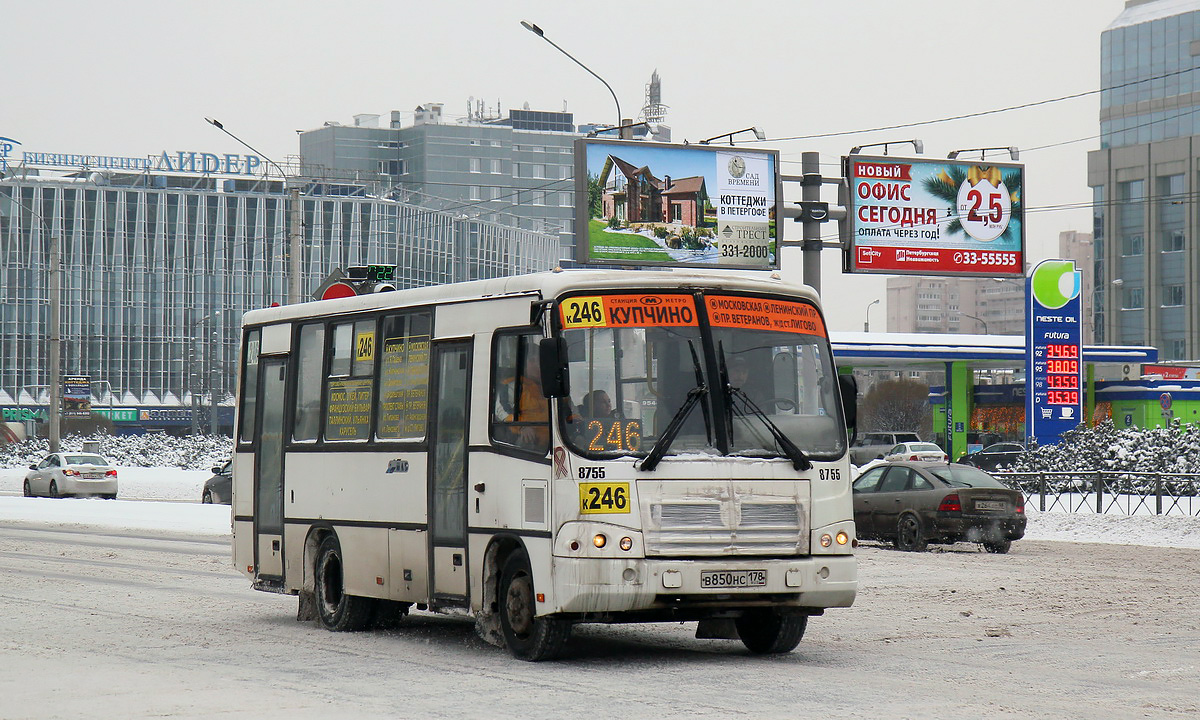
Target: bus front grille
pixel 687 518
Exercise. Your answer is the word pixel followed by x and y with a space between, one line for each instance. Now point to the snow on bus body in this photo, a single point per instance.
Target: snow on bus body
pixel 600 537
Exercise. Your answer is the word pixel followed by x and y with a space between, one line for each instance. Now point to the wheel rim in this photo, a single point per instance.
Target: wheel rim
pixel 518 605
pixel 908 532
pixel 207 497
pixel 53 489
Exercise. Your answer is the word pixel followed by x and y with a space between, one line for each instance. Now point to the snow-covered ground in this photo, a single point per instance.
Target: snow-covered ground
pixel 175 507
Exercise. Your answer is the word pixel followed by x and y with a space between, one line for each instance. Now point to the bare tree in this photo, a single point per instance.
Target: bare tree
pixel 897 405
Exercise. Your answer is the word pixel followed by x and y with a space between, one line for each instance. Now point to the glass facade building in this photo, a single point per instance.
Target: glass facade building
pixel 1144 180
pixel 157 269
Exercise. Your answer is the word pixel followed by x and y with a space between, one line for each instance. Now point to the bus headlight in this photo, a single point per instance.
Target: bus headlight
pixel 842 537
pixel 626 543
pixel 599 540
pixel 826 540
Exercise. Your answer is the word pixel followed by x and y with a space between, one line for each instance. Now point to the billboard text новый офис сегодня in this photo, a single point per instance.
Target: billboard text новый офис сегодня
pixel 943 217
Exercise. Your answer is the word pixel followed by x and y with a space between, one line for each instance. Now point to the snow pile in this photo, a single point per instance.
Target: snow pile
pixel 1106 448
pixel 151 450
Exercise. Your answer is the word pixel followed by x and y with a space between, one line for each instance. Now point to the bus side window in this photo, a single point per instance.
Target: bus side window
pixel 310 360
pixel 520 413
pixel 350 385
pixel 248 412
pixel 403 376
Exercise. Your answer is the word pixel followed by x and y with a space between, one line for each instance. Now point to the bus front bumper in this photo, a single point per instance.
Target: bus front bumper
pixel 671 587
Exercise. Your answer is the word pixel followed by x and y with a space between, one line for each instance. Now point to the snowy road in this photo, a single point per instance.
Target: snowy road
pixel 111 622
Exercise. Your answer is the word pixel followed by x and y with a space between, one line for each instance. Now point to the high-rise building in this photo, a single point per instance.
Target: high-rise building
pixel 977 306
pixel 971 306
pixel 1144 180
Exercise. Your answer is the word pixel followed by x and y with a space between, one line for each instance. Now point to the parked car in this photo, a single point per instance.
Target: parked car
pixel 219 487
pixel 917 452
pixel 913 504
pixel 68 473
pixel 875 444
pixel 995 456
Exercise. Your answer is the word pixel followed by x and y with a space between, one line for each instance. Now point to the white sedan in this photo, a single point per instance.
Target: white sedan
pixel 916 452
pixel 69 473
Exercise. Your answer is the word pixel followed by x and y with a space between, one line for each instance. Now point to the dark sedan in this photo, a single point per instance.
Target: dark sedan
pixel 219 487
pixel 913 504
pixel 995 456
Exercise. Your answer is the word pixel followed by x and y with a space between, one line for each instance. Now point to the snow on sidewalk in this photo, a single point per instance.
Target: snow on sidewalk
pixel 183 512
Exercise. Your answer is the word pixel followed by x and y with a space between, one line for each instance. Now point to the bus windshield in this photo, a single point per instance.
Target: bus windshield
pixel 761 368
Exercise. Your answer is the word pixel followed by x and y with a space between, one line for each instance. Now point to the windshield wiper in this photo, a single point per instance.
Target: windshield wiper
pixel 799 460
pixel 672 430
pixel 795 454
pixel 668 436
pixel 708 430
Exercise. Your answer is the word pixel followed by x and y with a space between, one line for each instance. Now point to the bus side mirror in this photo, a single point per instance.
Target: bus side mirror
pixel 849 387
pixel 552 355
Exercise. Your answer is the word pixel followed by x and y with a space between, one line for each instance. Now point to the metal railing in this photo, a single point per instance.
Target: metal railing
pixel 1106 491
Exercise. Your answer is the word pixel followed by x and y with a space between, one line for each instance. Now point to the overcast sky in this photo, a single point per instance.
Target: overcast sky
pixel 136 77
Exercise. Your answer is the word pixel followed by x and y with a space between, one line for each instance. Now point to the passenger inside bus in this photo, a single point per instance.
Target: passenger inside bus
pixel 521 406
pixel 596 404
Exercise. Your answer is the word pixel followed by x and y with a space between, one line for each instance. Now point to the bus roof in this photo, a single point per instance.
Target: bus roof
pixel 544 284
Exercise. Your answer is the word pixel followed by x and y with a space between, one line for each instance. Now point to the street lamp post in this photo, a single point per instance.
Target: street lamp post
pixel 541 33
pixel 55 343
pixel 214 345
pixel 54 288
pixel 295 224
pixel 980 320
pixel 867 322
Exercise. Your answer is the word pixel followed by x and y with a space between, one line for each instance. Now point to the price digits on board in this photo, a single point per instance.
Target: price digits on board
pixel 608 435
pixel 1059 350
pixel 1062 397
pixel 1062 366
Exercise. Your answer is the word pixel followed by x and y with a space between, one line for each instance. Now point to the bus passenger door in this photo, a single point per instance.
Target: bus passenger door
pixel 268 471
pixel 448 470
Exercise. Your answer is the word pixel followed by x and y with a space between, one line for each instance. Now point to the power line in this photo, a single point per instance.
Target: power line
pixel 980 113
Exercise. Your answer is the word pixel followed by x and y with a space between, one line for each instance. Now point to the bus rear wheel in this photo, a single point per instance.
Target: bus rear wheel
pixel 766 632
pixel 337 610
pixel 528 637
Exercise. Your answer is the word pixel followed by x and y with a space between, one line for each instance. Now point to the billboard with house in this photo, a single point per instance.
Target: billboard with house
pixel 640 203
pixel 910 216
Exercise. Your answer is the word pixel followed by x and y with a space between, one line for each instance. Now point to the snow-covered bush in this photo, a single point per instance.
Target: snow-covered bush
pixel 1127 460
pixel 1106 448
pixel 194 452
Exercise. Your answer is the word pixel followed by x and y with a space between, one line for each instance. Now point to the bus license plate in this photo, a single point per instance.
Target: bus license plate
pixel 732 578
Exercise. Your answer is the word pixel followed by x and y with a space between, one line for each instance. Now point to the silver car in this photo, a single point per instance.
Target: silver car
pixel 68 473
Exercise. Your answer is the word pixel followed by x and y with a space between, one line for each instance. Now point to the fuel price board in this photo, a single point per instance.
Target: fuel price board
pixel 1053 352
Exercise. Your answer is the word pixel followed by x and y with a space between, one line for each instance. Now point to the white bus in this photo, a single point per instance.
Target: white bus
pixel 550 449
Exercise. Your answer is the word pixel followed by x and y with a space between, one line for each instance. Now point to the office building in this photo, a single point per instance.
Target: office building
pixel 1144 180
pixel 517 169
pixel 162 255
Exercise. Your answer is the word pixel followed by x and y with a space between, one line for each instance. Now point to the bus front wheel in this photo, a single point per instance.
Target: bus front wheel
pixel 766 632
pixel 337 610
pixel 528 637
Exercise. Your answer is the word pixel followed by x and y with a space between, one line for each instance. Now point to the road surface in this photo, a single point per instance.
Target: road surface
pixel 105 624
